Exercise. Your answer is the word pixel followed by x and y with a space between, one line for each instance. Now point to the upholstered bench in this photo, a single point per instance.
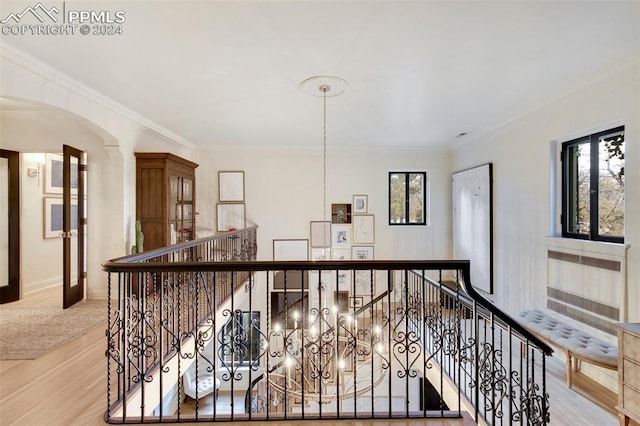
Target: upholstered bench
pixel 202 385
pixel 576 344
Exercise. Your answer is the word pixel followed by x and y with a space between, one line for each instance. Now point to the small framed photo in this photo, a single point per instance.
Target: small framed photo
pixel 295 249
pixel 320 232
pixel 53 216
pixel 231 216
pixel 340 235
pixel 340 213
pixel 356 302
pixel 362 252
pixel 363 229
pixel 360 204
pixel 365 282
pixel 342 279
pixel 320 253
pixel 231 186
pixel 341 254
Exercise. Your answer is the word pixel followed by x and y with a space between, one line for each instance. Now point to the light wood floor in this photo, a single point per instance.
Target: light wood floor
pixel 68 387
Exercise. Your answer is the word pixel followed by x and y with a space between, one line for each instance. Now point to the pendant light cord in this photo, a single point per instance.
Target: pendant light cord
pixel 324 156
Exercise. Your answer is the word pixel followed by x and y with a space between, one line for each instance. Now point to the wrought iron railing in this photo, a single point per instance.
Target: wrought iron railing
pixel 497 365
pixel 310 340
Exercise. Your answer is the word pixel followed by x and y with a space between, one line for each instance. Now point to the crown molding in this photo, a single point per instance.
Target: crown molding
pixel 355 148
pixel 51 75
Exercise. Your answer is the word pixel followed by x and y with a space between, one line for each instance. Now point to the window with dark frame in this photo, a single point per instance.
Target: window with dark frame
pixel 407 198
pixel 240 338
pixel 593 187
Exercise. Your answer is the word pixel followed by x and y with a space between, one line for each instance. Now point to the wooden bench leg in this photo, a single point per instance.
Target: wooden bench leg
pixel 624 420
pixel 569 370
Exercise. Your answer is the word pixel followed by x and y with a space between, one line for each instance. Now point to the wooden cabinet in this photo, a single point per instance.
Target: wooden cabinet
pixel 629 372
pixel 165 198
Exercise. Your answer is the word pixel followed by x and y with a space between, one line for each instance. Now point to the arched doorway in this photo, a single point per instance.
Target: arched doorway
pixel 38 131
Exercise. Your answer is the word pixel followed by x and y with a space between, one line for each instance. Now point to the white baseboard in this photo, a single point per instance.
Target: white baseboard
pixel 41 285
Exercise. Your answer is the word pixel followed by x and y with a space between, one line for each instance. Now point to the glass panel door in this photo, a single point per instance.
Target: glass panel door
pixel 74 226
pixel 4 223
pixel 9 226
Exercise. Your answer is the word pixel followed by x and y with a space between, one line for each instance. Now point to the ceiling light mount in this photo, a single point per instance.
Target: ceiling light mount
pixel 324 85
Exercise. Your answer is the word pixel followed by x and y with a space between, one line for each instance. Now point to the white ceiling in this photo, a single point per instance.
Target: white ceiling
pixel 419 73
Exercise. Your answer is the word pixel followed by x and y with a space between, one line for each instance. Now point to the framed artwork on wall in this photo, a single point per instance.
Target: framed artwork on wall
pixel 53 174
pixel 231 216
pixel 53 216
pixel 320 253
pixel 231 186
pixel 320 232
pixel 341 300
pixel 356 302
pixel 341 279
pixel 340 213
pixel 341 254
pixel 365 282
pixel 363 229
pixel 340 235
pixel 360 204
pixel 294 249
pixel 362 252
pixel 473 222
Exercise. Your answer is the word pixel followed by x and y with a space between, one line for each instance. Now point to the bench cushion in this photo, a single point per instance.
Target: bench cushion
pixel 578 342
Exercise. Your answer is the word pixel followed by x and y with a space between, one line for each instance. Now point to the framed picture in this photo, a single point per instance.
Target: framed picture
pixel 341 300
pixel 53 216
pixel 296 249
pixel 342 279
pixel 472 201
pixel 291 280
pixel 320 253
pixel 340 235
pixel 363 229
pixel 362 252
pixel 320 232
pixel 360 204
pixel 54 165
pixel 231 186
pixel 356 302
pixel 341 254
pixel 365 282
pixel 231 216
pixel 340 213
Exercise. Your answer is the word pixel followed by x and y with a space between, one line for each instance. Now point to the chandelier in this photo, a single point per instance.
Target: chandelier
pixel 335 355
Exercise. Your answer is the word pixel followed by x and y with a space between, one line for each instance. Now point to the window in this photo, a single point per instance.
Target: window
pixel 239 338
pixel 593 187
pixel 407 198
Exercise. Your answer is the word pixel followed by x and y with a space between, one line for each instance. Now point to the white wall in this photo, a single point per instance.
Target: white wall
pixel 36 250
pixel 284 191
pixel 520 153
